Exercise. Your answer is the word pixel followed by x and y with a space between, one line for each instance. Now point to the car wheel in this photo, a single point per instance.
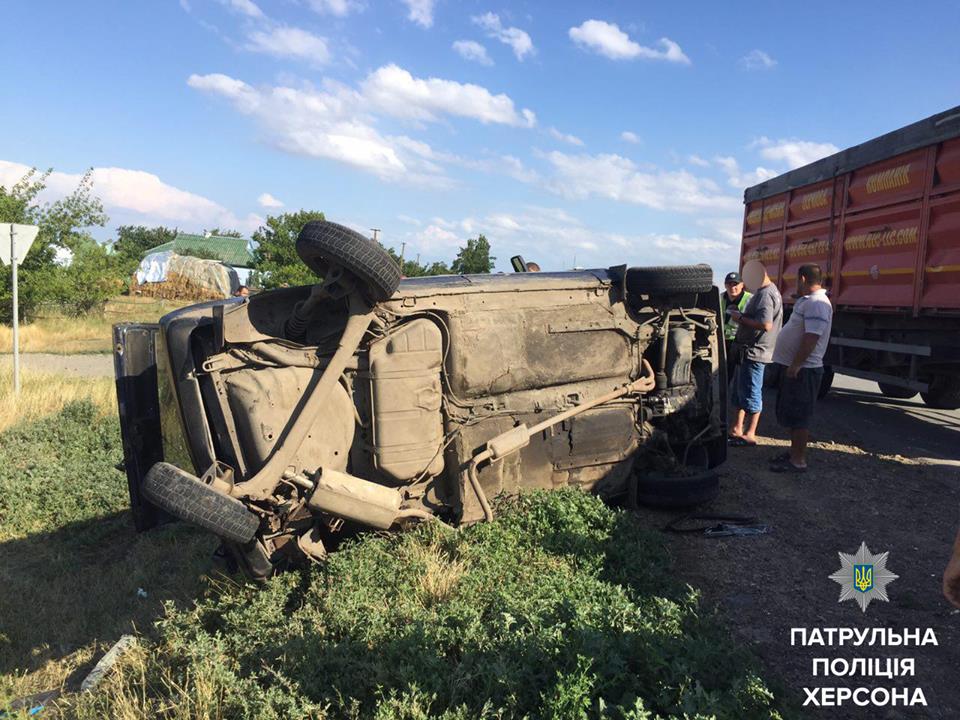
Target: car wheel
pixel 188 498
pixel 896 391
pixel 656 490
pixel 944 393
pixel 322 244
pixel 669 280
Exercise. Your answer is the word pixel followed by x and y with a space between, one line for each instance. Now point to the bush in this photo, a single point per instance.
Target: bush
pixel 561 608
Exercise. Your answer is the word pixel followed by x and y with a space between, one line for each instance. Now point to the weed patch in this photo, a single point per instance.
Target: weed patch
pixel 561 608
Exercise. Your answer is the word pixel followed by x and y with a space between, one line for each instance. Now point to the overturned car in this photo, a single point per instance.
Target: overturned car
pixel 290 419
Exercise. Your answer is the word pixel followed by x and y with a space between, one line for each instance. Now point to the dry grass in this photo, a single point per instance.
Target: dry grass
pixel 87 334
pixel 47 393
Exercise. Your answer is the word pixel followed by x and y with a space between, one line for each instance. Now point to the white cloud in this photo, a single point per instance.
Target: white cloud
pixel 514 37
pixel 736 178
pixel 557 240
pixel 630 137
pixel 420 12
pixel 795 153
pixel 138 194
pixel 564 137
pixel 269 201
pixel 698 161
pixel 757 60
pixel 617 178
pixel 609 40
pixel 394 91
pixel 244 7
pixel 471 50
pixel 289 42
pixel 338 8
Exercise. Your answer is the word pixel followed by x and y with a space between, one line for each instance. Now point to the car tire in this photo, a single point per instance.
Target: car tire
pixel 896 391
pixel 322 244
pixel 656 490
pixel 188 498
pixel 944 393
pixel 669 280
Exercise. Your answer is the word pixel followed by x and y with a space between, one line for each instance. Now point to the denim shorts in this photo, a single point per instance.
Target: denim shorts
pixel 748 386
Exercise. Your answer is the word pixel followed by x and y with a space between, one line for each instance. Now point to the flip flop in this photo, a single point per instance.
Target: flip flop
pixel 737 441
pixel 787 467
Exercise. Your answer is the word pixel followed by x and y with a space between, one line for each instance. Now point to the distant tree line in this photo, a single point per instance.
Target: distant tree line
pixel 66 266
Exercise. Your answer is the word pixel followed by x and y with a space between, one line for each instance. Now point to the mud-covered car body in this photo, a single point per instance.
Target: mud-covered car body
pixel 449 392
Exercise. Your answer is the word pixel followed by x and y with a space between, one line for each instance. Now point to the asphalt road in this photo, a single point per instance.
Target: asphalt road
pixel 897 427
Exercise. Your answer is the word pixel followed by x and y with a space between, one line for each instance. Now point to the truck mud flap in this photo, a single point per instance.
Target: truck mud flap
pixel 135 369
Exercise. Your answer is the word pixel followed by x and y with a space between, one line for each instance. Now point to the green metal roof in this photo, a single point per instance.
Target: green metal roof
pixel 230 250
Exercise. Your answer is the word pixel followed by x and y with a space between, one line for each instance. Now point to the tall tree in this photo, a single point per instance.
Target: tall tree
pixel 275 258
pixel 63 226
pixel 133 241
pixel 474 258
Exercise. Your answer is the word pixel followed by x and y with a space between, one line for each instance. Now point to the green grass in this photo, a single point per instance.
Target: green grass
pixel 561 608
pixel 70 561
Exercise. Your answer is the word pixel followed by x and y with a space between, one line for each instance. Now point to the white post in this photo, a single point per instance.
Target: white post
pixel 16 319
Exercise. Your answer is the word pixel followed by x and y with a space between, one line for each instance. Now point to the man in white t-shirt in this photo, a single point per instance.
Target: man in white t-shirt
pixel 798 360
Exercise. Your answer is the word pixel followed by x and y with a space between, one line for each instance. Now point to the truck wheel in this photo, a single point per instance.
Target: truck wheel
pixel 322 244
pixel 669 279
pixel 944 393
pixel 188 498
pixel 826 382
pixel 656 490
pixel 896 391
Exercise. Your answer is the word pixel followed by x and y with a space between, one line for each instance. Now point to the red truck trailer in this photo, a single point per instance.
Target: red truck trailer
pixel 883 221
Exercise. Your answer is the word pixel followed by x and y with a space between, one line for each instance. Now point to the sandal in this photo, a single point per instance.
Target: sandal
pixel 785 466
pixel 737 441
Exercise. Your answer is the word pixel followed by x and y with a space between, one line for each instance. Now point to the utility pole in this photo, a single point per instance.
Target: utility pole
pixel 16 315
pixel 21 237
pixel 376 234
pixel 403 249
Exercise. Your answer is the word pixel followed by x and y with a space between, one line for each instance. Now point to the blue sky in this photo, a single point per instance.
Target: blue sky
pixel 600 133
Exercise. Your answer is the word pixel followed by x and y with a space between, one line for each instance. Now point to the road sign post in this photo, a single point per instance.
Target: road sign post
pixel 21 238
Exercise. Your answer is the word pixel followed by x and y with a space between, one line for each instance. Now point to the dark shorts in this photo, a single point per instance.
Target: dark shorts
pixel 748 386
pixel 797 397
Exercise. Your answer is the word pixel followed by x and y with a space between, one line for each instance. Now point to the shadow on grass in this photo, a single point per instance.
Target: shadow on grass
pixel 85 582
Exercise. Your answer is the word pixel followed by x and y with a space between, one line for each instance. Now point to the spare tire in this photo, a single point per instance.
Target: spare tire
pixel 669 280
pixel 322 244
pixel 657 490
pixel 896 391
pixel 189 498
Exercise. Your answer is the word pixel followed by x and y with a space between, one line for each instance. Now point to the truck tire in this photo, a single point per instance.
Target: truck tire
pixel 188 498
pixel 896 391
pixel 322 244
pixel 669 280
pixel 944 393
pixel 656 490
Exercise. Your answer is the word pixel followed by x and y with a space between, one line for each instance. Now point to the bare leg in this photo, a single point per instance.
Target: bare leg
pixel 737 429
pixel 798 446
pixel 752 419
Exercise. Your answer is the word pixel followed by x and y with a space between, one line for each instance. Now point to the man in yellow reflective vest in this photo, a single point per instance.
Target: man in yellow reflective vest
pixel 734 297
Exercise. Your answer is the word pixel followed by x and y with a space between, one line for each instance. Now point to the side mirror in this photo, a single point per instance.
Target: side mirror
pixel 518 264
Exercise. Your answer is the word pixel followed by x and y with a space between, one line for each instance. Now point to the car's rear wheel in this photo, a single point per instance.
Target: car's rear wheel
pixel 323 245
pixel 656 490
pixel 187 497
pixel 669 280
pixel 896 391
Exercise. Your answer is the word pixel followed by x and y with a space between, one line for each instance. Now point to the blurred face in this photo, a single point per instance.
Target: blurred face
pixel 734 289
pixel 243 292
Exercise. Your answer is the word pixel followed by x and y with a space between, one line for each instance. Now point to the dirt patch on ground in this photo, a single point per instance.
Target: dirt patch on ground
pixel 81 365
pixel 856 491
